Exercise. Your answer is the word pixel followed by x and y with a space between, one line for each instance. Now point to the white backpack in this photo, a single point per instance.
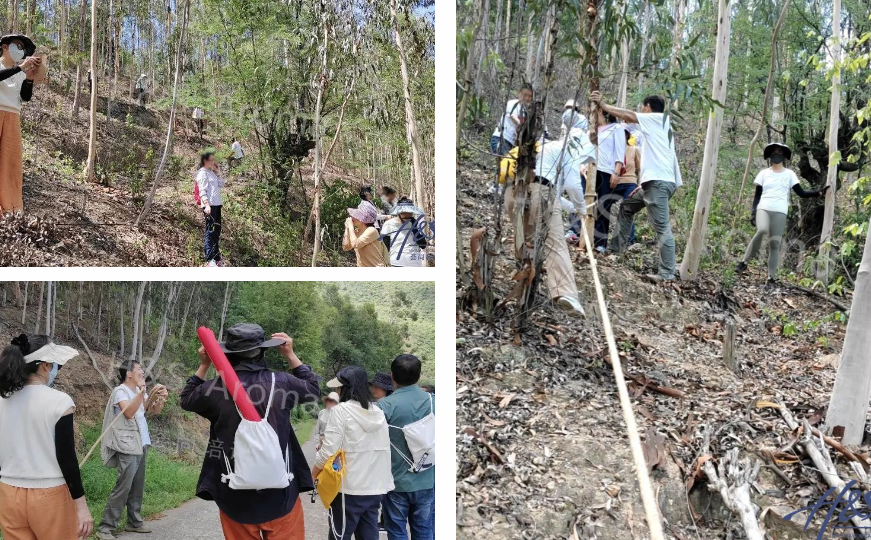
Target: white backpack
pixel 420 438
pixel 257 455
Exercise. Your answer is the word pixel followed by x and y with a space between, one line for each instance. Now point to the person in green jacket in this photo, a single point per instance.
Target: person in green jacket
pixel 411 504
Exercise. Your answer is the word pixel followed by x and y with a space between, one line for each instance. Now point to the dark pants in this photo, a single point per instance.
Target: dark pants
pixel 605 199
pixel 624 190
pixel 415 508
pixel 212 237
pixel 359 518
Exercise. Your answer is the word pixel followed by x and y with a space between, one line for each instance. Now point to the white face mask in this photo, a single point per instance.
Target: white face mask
pixel 16 53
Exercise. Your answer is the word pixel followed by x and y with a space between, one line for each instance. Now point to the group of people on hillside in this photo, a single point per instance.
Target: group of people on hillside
pixel 636 163
pixel 366 424
pixel 390 235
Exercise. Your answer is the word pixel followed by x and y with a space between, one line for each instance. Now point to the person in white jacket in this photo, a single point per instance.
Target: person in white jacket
pixel 358 427
pixel 208 197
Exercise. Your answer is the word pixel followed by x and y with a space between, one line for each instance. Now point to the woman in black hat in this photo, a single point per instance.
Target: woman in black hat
pixel 771 205
pixel 17 65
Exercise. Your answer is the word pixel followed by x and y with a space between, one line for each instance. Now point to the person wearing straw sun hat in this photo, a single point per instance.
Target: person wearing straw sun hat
pixel 362 236
pixel 771 206
pixel 403 236
pixel 39 471
pixel 245 513
pixel 358 427
pixel 17 69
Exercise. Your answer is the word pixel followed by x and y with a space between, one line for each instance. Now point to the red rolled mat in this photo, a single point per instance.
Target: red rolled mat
pixel 219 359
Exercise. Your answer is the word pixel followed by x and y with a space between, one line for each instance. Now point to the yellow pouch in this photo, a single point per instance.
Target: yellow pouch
pixel 330 478
pixel 508 166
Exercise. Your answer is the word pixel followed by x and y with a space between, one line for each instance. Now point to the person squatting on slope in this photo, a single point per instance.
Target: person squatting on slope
pixel 208 197
pixel 554 162
pixel 358 427
pixel 125 447
pixel 505 135
pixel 246 514
pixel 41 493
pixel 17 68
pixel 771 206
pixel 660 177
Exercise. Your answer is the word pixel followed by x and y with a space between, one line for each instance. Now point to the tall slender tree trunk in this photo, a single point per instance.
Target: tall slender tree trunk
pixel 137 312
pixel 832 174
pixel 316 207
pixel 161 335
pixel 481 46
pixel 48 310
pixel 467 81
pixel 224 311
pixel 849 402
pixel 690 265
pixel 77 97
pixel 411 123
pixel 170 130
pixel 24 309
pixel 90 172
pixel 645 37
pixel 39 311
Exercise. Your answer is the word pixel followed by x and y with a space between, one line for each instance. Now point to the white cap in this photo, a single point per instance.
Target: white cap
pixel 570 104
pixel 333 396
pixel 52 353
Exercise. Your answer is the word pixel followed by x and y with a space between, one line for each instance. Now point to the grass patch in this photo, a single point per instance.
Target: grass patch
pixel 303 428
pixel 168 483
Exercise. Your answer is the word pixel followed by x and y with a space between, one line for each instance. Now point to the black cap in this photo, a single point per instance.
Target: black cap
pixel 382 381
pixel 247 337
pixel 29 46
pixel 787 153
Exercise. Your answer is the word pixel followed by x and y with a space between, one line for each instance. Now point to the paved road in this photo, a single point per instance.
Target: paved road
pixel 198 519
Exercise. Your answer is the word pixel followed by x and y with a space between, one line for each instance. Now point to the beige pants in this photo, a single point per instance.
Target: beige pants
pixel 37 514
pixel 560 274
pixel 10 163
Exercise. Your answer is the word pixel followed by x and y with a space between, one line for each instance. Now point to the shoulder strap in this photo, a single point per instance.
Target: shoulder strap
pixel 431 406
pixel 271 392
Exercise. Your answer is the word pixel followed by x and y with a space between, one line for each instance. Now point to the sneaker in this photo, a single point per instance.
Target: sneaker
pixel 572 305
pixel 141 529
pixel 741 268
pixel 220 263
pixel 105 535
pixel 658 278
pixel 771 282
pixel 212 263
pixel 572 238
pixel 491 189
pixel 601 249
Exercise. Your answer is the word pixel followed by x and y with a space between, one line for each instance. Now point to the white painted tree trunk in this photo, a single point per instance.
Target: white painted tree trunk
pixel 848 405
pixel 696 242
pixel 832 176
pixel 48 309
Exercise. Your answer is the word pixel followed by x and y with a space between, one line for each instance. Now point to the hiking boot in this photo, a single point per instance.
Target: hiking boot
pixel 771 282
pixel 105 535
pixel 141 529
pixel 741 268
pixel 572 305
pixel 659 279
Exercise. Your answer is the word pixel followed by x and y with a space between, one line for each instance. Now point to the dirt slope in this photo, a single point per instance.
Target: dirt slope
pixel 71 222
pixel 558 461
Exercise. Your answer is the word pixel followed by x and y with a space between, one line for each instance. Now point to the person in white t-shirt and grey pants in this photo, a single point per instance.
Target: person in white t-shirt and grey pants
pixel 771 206
pixel 505 135
pixel 125 447
pixel 660 178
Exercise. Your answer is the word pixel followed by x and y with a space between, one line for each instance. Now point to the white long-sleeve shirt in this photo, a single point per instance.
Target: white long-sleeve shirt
pixel 210 185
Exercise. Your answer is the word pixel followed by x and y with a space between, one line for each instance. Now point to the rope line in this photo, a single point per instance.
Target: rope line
pixel 651 510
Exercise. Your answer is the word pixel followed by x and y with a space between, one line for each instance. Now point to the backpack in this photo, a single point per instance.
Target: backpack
pixel 257 455
pixel 420 438
pixel 197 199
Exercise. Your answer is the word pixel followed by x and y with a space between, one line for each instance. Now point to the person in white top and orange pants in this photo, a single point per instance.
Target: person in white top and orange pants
pixel 17 65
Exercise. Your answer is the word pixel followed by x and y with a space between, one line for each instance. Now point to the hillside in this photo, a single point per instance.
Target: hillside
pixel 409 304
pixel 71 222
pixel 541 445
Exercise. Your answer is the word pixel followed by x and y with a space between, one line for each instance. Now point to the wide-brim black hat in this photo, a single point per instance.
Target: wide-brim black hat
pixel 244 337
pixel 787 153
pixel 29 46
